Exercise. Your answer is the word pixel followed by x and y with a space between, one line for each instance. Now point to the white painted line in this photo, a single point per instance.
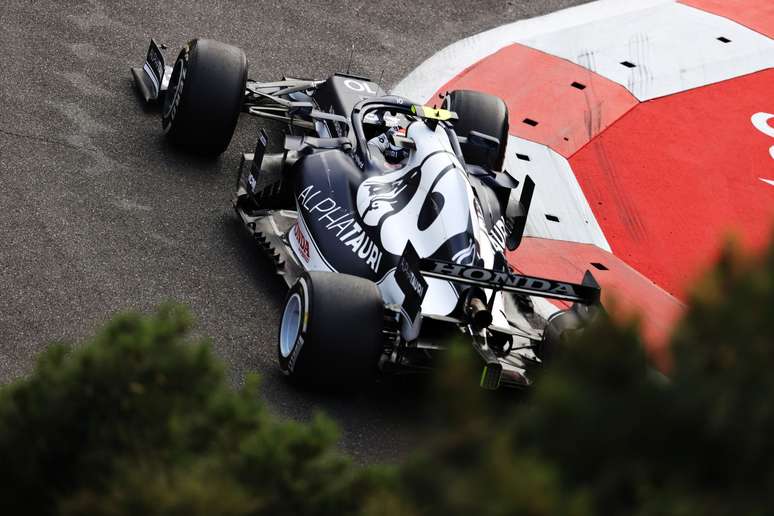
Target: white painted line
pixel 559 209
pixel 662 50
pixel 442 67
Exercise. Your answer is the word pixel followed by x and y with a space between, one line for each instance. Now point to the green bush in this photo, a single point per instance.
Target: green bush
pixel 141 421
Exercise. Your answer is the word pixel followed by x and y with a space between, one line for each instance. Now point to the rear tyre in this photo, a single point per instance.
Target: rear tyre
pixel 204 97
pixel 486 114
pixel 331 330
pixel 563 325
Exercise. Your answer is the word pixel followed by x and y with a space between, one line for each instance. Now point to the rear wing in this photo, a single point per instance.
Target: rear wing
pixel 587 293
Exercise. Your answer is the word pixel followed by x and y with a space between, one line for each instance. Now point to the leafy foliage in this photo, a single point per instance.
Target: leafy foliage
pixel 141 421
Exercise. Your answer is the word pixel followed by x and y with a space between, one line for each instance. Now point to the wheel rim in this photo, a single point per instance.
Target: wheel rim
pixel 290 326
pixel 174 83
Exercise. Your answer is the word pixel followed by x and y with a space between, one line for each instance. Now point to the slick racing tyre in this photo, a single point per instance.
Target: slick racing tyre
pixel 564 325
pixel 204 96
pixel 331 330
pixel 486 114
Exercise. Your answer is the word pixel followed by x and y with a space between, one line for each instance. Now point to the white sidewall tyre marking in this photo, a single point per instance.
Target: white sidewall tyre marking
pixel 169 115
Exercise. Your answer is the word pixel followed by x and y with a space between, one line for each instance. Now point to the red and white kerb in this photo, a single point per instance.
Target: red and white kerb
pixel 649 129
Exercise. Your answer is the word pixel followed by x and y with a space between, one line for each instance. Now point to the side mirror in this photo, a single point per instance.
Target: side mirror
pixel 483 140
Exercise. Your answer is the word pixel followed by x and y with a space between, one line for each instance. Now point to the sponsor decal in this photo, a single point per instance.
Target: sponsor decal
pixel 170 115
pixel 252 181
pixel 296 351
pixel 258 153
pixel 466 256
pixel 508 281
pixel 302 330
pixel 498 234
pixel 761 122
pixel 155 62
pixel 411 282
pixel 303 243
pixel 341 222
pixel 413 279
pixel 387 197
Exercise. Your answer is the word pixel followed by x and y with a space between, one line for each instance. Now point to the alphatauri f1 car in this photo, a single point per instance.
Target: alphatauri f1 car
pixel 389 220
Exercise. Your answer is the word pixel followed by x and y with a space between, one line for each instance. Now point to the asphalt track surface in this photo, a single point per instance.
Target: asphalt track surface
pixel 98 214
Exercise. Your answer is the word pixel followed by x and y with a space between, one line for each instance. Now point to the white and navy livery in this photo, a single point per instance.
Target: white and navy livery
pixel 389 220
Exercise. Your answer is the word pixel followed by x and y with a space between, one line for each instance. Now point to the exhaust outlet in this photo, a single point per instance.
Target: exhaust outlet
pixel 479 316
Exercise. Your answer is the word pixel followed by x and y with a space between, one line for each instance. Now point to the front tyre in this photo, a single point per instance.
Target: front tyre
pixel 204 96
pixel 331 330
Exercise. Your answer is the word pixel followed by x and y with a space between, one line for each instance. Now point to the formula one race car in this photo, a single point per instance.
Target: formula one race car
pixel 389 220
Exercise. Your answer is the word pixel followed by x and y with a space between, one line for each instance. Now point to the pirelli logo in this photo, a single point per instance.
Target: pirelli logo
pixel 502 280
